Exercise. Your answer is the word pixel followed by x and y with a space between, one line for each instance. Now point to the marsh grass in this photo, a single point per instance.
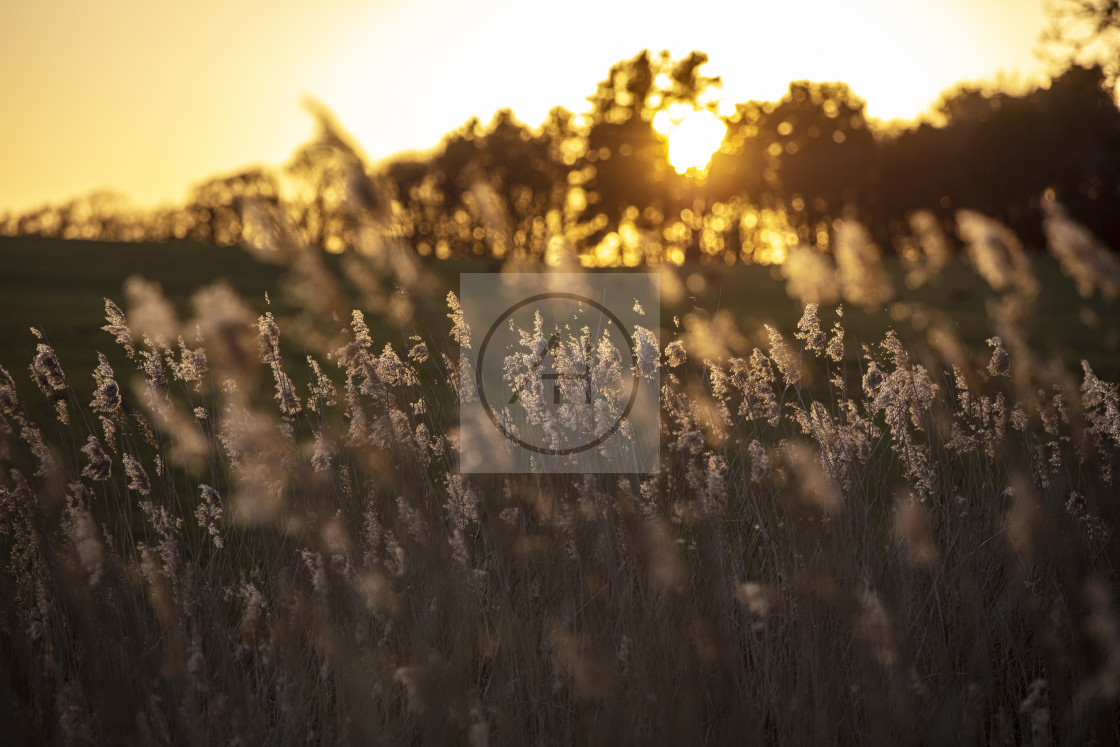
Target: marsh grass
pixel 253 533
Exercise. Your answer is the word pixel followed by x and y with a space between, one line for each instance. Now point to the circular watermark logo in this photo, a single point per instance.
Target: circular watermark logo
pixel 556 374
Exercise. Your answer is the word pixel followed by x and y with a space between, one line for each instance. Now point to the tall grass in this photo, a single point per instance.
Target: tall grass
pixel 235 543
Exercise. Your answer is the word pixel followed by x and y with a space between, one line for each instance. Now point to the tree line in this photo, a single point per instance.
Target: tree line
pixel 600 184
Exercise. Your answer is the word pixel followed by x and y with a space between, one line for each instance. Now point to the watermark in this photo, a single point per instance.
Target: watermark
pixel 559 372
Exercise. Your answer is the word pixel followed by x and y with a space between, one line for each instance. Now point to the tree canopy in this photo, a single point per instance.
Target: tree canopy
pixel 600 183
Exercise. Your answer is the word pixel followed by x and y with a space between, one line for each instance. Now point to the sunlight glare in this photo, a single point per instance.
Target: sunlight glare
pixel 692 138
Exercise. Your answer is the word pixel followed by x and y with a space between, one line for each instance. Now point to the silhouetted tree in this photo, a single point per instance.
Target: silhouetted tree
pixel 219 204
pixel 821 149
pixel 518 168
pixel 1084 32
pixel 799 162
pixel 998 153
pixel 626 161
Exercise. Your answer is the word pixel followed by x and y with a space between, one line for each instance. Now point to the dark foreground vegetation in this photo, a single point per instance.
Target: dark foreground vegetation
pixel 251 528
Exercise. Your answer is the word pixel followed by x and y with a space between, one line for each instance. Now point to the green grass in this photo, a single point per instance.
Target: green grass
pixel 58 287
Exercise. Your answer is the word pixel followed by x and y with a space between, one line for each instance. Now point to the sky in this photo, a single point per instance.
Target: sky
pixel 147 98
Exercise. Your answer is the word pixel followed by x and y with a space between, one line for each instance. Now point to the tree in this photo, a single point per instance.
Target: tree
pixel 997 153
pixel 334 192
pixel 625 164
pixel 1084 32
pixel 219 204
pixel 523 172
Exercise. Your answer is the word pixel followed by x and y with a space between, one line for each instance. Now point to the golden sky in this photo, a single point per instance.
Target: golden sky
pixel 149 97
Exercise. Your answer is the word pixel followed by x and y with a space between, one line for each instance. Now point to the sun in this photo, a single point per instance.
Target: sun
pixel 693 135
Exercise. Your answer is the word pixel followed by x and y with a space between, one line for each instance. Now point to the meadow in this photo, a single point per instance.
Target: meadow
pixel 59 286
pixel 887 518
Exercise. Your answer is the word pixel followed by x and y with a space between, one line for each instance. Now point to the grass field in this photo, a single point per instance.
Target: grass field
pixel 263 537
pixel 58 286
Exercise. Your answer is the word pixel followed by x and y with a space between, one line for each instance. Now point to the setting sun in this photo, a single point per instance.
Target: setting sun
pixel 730 373
pixel 173 110
pixel 692 136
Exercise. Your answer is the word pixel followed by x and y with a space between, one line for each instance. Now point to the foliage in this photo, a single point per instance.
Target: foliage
pixel 597 186
pixel 845 542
